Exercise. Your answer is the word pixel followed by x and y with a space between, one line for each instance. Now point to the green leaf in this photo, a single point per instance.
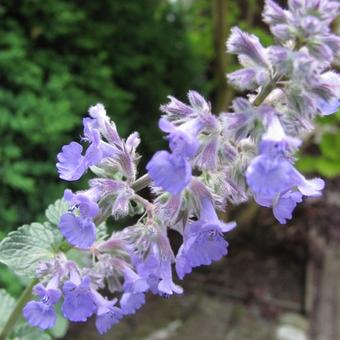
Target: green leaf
pixel 61 326
pixel 326 167
pixel 7 304
pixel 26 332
pixel 330 146
pixel 24 248
pixel 12 282
pixel 56 210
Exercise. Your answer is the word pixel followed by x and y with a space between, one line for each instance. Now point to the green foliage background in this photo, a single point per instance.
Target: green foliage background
pixel 59 57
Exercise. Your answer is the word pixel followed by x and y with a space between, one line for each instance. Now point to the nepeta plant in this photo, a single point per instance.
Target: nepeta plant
pixel 212 160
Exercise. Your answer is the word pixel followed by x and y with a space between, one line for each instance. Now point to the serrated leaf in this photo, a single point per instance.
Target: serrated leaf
pixel 24 248
pixel 7 304
pixel 26 332
pixel 56 210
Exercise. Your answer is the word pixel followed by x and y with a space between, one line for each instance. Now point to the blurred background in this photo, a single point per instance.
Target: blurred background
pixel 58 57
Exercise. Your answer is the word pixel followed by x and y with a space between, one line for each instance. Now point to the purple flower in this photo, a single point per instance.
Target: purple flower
pixel 285 204
pixel 182 140
pixel 169 171
pixel 268 177
pixel 71 163
pixel 156 267
pixel 176 110
pixel 272 177
pixel 107 314
pixel 172 171
pixel 184 124
pixel 78 303
pixel 115 195
pixel 97 149
pixel 282 32
pixel 166 285
pixel 207 158
pixel 102 122
pixel 203 241
pixel 131 302
pixel 328 108
pixel 248 47
pixel 133 282
pixel 199 104
pixel 87 207
pixel 248 78
pixel 241 123
pixel 281 59
pixel 273 14
pixel 79 231
pixel 41 313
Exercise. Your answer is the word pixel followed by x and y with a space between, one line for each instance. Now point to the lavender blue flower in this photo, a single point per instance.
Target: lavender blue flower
pixel 169 171
pixel 107 313
pixel 248 47
pixel 208 156
pixel 133 283
pixel 139 259
pixel 248 78
pixel 253 57
pixel 175 110
pixel 79 231
pixel 283 207
pixel 87 207
pixel 241 123
pixel 328 108
pixel 79 303
pixel 281 58
pixel 203 240
pixel 195 131
pixel 41 313
pixel 306 21
pixel 273 14
pixel 71 163
pixel 131 302
pixel 94 153
pixel 156 267
pixel 272 177
pixel 182 140
pixel 172 171
pixel 114 195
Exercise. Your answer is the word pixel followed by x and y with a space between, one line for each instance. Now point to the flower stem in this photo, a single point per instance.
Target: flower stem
pixel 16 313
pixel 266 90
pixel 141 183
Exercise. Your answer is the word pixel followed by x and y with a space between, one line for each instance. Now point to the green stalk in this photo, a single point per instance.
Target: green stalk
pixel 141 183
pixel 17 311
pixel 266 90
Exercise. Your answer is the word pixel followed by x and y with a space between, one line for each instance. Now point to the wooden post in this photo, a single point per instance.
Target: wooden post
pixel 220 33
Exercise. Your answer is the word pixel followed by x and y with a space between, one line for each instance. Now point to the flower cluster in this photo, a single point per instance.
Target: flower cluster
pixel 212 160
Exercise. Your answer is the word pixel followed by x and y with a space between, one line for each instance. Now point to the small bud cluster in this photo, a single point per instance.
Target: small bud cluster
pixel 212 160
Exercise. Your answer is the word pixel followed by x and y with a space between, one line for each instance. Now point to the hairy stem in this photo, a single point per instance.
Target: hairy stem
pixel 16 313
pixel 266 90
pixel 141 183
